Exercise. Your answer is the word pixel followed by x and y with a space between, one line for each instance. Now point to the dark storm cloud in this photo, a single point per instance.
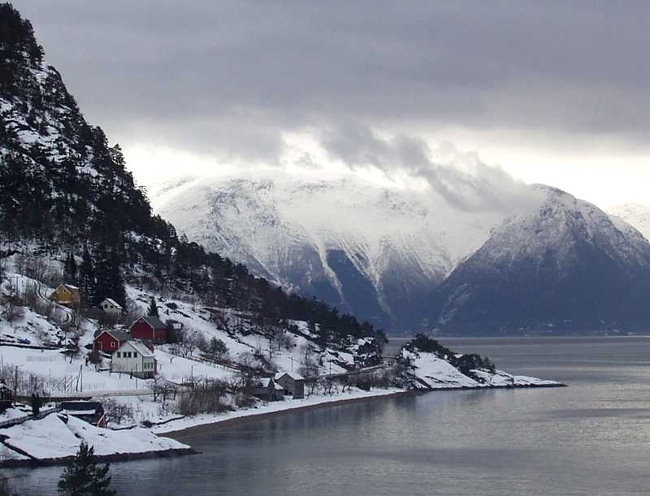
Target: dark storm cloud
pixel 230 77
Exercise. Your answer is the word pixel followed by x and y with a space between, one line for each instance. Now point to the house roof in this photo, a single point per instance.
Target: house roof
pixel 70 286
pixel 154 322
pixel 139 347
pixel 119 334
pixel 266 380
pixel 82 406
pixel 294 375
pixel 112 302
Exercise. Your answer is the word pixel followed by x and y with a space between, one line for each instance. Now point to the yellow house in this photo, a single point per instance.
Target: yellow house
pixel 67 295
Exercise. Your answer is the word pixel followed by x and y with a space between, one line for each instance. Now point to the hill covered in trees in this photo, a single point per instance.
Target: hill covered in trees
pixel 65 192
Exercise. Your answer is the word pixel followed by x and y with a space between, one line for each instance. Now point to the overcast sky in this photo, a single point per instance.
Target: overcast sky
pixel 553 92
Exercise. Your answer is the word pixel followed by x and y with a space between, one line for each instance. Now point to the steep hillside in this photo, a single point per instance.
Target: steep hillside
pixel 65 194
pixel 567 266
pixel 368 249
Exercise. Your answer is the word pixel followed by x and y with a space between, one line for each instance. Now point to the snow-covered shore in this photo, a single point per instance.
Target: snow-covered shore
pixel 500 380
pixel 275 407
pixel 56 437
pixel 429 372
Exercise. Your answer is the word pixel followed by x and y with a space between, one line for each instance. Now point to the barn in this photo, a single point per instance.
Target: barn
pixel 149 329
pixel 292 383
pixel 267 389
pixel 109 340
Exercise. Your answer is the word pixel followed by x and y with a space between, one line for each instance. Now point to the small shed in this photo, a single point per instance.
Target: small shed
pixel 89 411
pixel 66 294
pixel 6 396
pixel 111 307
pixel 109 340
pixel 292 383
pixel 149 328
pixel 134 358
pixel 174 325
pixel 268 390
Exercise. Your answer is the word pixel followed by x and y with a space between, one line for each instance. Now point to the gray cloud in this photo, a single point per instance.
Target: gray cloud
pixel 230 77
pixel 463 180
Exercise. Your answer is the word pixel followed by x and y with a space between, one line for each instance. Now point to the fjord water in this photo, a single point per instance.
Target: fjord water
pixel 591 438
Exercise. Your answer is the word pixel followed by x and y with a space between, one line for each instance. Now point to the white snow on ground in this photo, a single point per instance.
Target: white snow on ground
pixel 436 372
pixel 175 368
pixel 51 437
pixel 277 406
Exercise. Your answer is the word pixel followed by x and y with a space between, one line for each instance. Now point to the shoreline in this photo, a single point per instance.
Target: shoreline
pixel 115 457
pixel 254 414
pixel 250 415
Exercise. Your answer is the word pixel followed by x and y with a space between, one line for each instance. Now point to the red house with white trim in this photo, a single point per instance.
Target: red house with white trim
pixel 109 340
pixel 149 329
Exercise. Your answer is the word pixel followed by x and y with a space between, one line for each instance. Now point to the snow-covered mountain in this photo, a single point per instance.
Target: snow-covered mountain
pixel 567 265
pixel 373 250
pixel 635 214
pixel 404 258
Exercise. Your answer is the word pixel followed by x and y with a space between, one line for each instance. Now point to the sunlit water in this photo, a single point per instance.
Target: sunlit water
pixel 592 438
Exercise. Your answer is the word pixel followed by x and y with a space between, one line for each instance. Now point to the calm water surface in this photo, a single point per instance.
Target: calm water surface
pixel 592 438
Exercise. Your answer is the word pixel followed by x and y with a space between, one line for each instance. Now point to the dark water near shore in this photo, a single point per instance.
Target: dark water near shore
pixel 592 438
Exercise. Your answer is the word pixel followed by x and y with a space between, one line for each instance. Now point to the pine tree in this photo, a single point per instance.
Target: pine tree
pixel 70 270
pixel 153 308
pixel 87 278
pixel 83 477
pixel 108 277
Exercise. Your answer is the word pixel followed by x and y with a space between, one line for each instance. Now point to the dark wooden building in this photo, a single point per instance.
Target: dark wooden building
pixel 6 397
pixel 267 389
pixel 89 411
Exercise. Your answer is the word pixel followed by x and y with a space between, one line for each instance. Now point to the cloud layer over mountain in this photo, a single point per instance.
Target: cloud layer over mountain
pixel 230 78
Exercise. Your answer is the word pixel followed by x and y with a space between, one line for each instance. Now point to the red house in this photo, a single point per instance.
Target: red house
pixel 109 340
pixel 149 329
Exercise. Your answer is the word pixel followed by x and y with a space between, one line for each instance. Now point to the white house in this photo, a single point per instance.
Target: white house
pixel 134 358
pixel 111 307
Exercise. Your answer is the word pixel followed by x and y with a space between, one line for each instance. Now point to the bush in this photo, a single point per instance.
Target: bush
pixel 205 397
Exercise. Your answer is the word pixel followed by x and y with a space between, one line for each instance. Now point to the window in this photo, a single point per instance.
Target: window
pixel 112 344
pixel 118 354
